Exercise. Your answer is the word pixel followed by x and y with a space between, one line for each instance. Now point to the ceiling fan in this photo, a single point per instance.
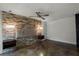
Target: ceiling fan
pixel 40 15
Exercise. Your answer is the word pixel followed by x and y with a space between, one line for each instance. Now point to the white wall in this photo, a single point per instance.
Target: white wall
pixel 44 30
pixel 62 30
pixel 1 41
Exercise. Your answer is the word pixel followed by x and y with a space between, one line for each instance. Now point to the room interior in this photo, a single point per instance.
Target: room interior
pixel 39 29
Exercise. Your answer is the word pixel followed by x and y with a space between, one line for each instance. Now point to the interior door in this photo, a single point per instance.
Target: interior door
pixel 77 29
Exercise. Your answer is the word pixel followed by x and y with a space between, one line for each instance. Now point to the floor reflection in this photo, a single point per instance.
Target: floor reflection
pixel 45 48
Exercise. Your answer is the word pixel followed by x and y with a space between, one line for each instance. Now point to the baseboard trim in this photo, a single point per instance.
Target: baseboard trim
pixel 68 45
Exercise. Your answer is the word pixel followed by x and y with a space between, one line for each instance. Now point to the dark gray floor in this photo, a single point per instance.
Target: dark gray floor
pixel 46 48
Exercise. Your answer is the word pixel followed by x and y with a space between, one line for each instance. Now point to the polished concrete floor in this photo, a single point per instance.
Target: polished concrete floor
pixel 45 48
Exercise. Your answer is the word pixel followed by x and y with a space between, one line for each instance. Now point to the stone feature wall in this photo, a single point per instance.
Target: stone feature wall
pixel 25 31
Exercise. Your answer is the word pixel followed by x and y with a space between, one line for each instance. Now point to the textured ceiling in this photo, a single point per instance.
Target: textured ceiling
pixel 55 10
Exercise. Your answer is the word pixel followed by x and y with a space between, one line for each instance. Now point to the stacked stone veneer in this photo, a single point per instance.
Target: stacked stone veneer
pixel 26 29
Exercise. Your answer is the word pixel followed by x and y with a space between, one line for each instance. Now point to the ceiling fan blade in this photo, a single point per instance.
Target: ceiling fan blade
pixel 40 15
pixel 42 18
